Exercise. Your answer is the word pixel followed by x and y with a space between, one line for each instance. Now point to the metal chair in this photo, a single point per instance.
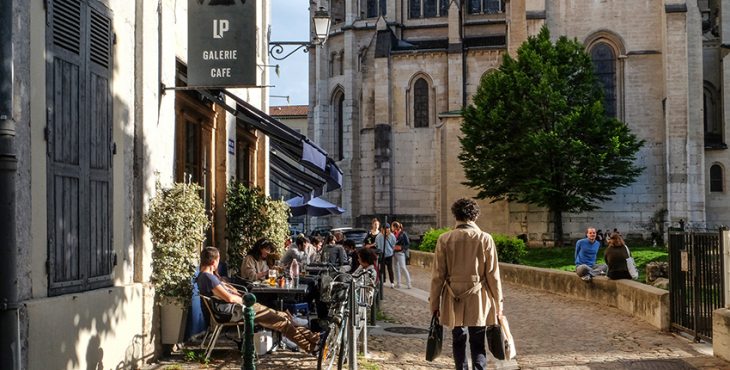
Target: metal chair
pixel 214 324
pixel 294 309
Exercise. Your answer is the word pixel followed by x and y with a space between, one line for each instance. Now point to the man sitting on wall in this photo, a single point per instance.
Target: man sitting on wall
pixel 585 257
pixel 210 285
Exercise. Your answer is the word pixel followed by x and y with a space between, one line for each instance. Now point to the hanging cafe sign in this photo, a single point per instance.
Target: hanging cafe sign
pixel 222 43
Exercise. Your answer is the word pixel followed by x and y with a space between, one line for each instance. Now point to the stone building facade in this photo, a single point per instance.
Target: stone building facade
pixel 387 87
pixel 94 126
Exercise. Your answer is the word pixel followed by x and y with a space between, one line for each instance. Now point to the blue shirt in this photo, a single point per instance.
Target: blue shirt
pixel 207 282
pixel 385 245
pixel 585 252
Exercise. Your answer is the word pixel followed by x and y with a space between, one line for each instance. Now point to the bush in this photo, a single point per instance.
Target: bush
pixel 509 250
pixel 252 215
pixel 177 220
pixel 429 240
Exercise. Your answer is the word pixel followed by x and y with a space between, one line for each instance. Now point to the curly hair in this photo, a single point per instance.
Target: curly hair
pixel 465 209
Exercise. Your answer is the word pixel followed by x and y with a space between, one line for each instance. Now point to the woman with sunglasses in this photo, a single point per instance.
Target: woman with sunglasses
pixel 254 266
pixel 615 255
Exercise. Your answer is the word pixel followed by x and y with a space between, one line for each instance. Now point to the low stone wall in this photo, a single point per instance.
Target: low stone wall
pixel 423 259
pixel 721 333
pixel 637 299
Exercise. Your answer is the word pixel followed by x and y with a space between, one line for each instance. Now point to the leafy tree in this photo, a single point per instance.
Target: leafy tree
pixel 538 132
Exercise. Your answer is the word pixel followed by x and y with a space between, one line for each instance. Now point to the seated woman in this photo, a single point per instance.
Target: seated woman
pixel 254 266
pixel 367 258
pixel 615 255
pixel 210 285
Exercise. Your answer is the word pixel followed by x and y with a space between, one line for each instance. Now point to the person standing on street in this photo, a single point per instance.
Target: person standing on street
pixel 402 243
pixel 369 241
pixel 466 289
pixel 385 241
pixel 585 257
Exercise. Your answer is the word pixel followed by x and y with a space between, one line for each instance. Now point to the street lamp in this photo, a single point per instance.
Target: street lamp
pixel 322 23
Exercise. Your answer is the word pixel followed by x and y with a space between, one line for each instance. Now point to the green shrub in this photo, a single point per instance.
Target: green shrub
pixel 252 215
pixel 177 220
pixel 509 250
pixel 429 240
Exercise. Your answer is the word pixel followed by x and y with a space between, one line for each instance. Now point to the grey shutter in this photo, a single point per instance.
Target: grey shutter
pixel 79 122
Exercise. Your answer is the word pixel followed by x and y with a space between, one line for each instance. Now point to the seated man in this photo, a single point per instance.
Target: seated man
pixel 333 253
pixel 210 285
pixel 585 257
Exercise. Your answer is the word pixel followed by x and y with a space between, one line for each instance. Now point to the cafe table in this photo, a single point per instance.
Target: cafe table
pixel 313 270
pixel 287 292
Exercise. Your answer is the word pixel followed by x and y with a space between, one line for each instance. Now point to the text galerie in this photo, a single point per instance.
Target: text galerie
pixel 220 27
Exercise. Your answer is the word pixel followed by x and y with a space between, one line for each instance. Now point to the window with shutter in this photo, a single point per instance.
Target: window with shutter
pixel 79 101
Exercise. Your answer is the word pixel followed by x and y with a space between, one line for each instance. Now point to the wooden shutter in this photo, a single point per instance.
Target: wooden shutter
pixel 79 138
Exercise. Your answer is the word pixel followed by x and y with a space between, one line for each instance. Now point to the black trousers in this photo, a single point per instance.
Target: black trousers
pixel 389 265
pixel 477 335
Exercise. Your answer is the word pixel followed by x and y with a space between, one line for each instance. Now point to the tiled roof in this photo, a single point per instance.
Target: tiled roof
pixel 289 110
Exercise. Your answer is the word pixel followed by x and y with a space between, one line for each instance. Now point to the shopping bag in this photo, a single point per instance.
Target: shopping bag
pixel 435 339
pixel 509 342
pixel 631 265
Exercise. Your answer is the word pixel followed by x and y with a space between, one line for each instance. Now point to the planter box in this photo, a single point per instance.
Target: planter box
pixel 173 318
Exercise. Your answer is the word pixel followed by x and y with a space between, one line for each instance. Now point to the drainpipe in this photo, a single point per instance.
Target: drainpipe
pixel 9 314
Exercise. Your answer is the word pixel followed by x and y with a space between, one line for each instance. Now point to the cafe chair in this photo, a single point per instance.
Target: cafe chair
pixel 214 325
pixel 294 310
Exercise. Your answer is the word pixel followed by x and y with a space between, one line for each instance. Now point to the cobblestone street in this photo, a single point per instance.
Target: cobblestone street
pixel 550 331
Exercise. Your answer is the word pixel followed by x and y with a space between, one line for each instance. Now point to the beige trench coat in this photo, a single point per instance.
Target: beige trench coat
pixel 465 265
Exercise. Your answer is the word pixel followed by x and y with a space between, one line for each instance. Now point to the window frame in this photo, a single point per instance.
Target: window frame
pixel 714 181
pixel 410 100
pixel 617 44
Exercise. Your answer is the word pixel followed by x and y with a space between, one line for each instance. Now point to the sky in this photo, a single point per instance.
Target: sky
pixel 290 22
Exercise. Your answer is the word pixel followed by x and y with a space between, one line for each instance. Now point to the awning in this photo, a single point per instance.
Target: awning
pixel 290 149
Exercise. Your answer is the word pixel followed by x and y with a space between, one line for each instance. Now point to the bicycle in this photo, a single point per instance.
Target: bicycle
pixel 336 293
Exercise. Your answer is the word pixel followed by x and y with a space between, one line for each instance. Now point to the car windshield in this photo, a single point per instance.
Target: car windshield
pixel 357 235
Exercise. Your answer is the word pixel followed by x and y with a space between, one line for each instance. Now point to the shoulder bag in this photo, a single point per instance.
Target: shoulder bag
pixel 435 339
pixel 630 265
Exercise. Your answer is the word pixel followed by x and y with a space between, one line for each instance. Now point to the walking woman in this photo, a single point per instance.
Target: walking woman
pixel 615 256
pixel 402 243
pixel 466 289
pixel 385 241
pixel 369 241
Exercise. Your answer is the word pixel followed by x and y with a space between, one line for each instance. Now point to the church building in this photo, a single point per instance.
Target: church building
pixel 387 88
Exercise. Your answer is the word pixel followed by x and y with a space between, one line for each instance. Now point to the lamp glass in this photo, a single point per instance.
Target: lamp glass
pixel 322 23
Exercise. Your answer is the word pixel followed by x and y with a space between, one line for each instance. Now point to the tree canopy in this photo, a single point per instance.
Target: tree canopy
pixel 538 132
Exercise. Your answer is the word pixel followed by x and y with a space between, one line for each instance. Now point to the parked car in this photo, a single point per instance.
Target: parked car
pixel 321 231
pixel 358 235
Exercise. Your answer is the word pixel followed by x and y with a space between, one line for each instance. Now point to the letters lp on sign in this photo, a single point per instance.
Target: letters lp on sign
pixel 222 43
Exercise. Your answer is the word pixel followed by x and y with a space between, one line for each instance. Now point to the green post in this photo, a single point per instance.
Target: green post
pixel 247 352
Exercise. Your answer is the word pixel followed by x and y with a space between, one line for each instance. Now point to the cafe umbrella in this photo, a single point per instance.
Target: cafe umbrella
pixel 315 207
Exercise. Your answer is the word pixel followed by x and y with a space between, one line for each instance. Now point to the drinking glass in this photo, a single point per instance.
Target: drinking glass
pixel 272 277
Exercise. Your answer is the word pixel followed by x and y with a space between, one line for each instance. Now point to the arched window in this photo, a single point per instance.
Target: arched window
pixel 420 103
pixel 716 183
pixel 485 6
pixel 428 8
pixel 604 63
pixel 342 62
pixel 333 133
pixel 711 117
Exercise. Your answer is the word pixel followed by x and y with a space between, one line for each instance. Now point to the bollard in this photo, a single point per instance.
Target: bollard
pixel 247 362
pixel 351 338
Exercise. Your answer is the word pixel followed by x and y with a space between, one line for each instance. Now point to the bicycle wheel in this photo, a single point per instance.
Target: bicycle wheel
pixel 327 355
pixel 344 343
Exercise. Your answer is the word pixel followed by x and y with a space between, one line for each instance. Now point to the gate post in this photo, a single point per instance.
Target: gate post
pixel 725 247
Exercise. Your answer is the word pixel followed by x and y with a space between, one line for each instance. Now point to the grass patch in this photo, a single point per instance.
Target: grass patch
pixel 173 367
pixel 564 258
pixel 367 365
pixel 381 316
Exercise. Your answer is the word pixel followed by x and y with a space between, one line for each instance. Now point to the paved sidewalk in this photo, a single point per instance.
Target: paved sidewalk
pixel 551 332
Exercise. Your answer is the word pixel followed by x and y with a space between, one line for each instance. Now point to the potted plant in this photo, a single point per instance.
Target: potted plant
pixel 177 221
